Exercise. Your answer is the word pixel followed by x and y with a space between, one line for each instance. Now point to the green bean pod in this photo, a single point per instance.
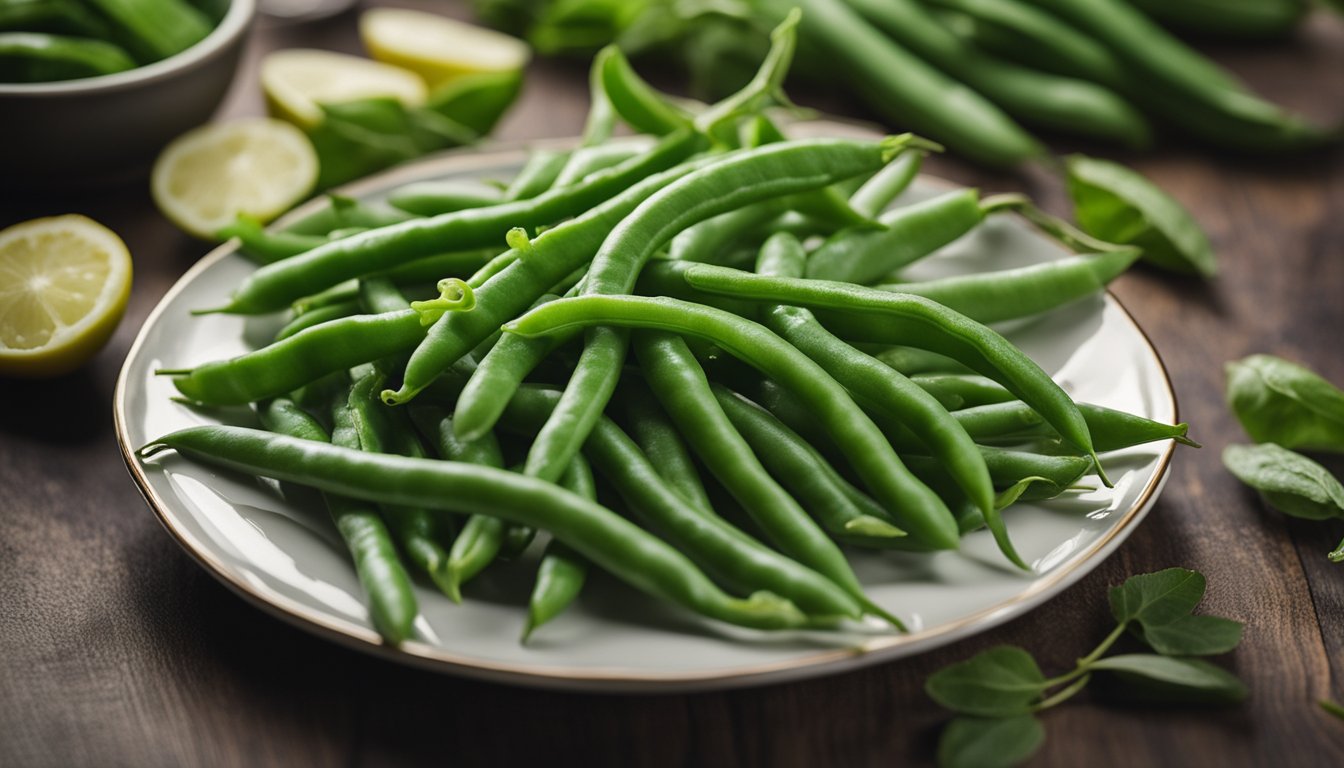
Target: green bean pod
pixel 961 390
pixel 274 286
pixel 380 430
pixel 392 604
pixel 1066 104
pixel 862 442
pixel 548 258
pixel 432 198
pixel 907 234
pixel 913 320
pixel 537 175
pixel 991 297
pixel 482 536
pixel 796 465
pixel 724 550
pixel 562 571
pixel 679 383
pixel 306 356
pixel 610 542
pixel 879 387
pixel 771 171
pixel 658 439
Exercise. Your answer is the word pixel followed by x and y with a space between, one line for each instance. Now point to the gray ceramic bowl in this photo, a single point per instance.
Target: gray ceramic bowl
pixel 96 129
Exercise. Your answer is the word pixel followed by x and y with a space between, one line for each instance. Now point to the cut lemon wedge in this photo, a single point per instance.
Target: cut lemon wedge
pixel 64 281
pixel 206 177
pixel 438 49
pixel 296 81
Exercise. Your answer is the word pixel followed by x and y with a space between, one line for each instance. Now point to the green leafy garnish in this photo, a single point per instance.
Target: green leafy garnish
pixel 1116 204
pixel 1281 402
pixel 998 692
pixel 1290 482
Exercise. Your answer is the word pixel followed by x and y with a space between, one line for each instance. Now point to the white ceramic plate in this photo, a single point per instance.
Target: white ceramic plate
pixel 287 559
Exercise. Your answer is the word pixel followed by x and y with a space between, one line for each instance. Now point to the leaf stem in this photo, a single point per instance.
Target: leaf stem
pixel 1105 646
pixel 1064 695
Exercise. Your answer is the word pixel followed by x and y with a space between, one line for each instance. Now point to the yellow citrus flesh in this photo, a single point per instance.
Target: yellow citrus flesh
pixel 64 282
pixel 257 166
pixel 438 49
pixel 296 81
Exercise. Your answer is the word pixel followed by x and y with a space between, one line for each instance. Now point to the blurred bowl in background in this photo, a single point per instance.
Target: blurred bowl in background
pixel 109 128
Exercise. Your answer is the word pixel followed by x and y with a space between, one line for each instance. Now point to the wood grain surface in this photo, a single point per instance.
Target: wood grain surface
pixel 117 649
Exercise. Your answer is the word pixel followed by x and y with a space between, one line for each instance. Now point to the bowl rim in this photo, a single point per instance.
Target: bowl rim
pixel 230 28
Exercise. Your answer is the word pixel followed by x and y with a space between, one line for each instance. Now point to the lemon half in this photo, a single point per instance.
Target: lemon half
pixel 437 48
pixel 297 80
pixel 258 166
pixel 64 282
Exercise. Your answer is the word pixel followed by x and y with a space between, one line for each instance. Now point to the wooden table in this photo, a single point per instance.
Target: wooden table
pixel 117 649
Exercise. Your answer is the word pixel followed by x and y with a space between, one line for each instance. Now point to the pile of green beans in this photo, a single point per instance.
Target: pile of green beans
pixel 753 439
pixel 980 76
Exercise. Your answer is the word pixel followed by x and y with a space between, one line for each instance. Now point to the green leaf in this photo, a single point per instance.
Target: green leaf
pixel 999 682
pixel 1155 599
pixel 476 102
pixel 1281 402
pixel 1120 206
pixel 1175 680
pixel 1290 482
pixel 1193 636
pixel 973 742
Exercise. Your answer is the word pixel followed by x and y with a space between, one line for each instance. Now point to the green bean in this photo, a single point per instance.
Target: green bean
pixel 548 258
pixel 991 297
pixel 878 387
pixel 861 441
pixel 432 198
pixel 262 247
pixel 392 604
pixel 796 465
pixel 909 233
pixel 537 175
pixel 955 390
pixel 913 319
pixel 1186 86
pixel 679 384
pixel 886 185
pixel 610 542
pixel 634 100
pixel 727 552
pixel 380 429
pixel 317 316
pixel 1022 32
pixel 343 212
pixel 1248 19
pixel 659 440
pixel 585 161
pixel 909 91
pixel 1008 468
pixel 306 356
pixel 275 285
pixel 482 536
pixel 1065 104
pixel 562 571
pixel 1111 429
pixel 774 170
pixel 497 377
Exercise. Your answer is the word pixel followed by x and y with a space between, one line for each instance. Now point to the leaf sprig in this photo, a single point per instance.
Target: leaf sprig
pixel 998 692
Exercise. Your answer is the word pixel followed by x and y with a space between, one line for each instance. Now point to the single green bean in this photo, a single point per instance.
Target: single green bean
pixel 562 571
pixel 432 198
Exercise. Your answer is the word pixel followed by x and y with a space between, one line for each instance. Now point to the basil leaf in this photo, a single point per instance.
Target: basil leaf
pixel 999 682
pixel 1155 599
pixel 1280 402
pixel 973 742
pixel 1118 205
pixel 476 102
pixel 1173 680
pixel 1192 636
pixel 1290 482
